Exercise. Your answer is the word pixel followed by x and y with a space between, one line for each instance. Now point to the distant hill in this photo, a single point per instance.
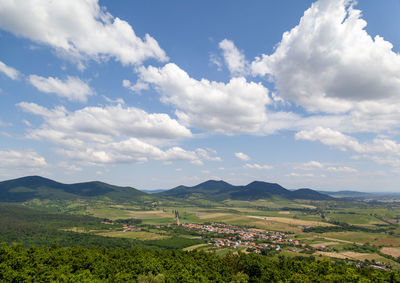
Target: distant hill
pixel 220 190
pixel 36 187
pixel 217 190
pixel 26 188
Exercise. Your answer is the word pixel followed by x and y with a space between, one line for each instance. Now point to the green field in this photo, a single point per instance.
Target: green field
pixel 343 229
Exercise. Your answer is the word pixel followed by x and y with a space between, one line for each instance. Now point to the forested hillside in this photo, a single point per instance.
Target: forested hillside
pixel 30 187
pixel 78 264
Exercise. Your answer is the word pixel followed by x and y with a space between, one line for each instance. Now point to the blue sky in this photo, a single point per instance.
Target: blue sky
pixel 154 94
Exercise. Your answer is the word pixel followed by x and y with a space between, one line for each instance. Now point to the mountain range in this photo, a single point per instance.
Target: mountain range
pixel 221 190
pixel 30 187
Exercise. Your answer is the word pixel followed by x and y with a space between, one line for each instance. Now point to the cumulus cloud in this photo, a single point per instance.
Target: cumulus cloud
pixel 330 137
pixel 28 159
pixel 113 134
pixel 127 151
pixel 242 156
pixel 9 71
pixel 311 165
pixel 235 107
pixel 97 123
pixel 344 169
pixel 381 150
pixel 321 63
pixel 78 30
pixel 294 174
pixel 137 88
pixel 234 59
pixel 72 88
pixel 257 166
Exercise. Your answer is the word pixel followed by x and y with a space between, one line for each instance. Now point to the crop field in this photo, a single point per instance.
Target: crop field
pixel 108 212
pixel 337 241
pixel 355 219
pixel 395 252
pixel 292 221
pixel 134 235
pixel 378 239
pixel 149 214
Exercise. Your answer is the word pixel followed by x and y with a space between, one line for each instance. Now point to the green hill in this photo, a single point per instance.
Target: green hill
pixel 220 190
pixel 27 188
pixel 36 187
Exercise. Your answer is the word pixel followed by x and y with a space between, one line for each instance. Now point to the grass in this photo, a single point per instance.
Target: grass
pixel 154 221
pixel 108 212
pixel 223 252
pixel 355 219
pixel 378 239
pixel 134 235
pixel 195 247
pixel 292 221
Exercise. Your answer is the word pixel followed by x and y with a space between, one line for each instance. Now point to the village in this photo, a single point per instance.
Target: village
pixel 248 239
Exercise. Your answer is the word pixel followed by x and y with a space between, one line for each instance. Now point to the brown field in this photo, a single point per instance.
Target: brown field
pixel 331 254
pixel 363 237
pixel 352 255
pixel 276 226
pixel 337 240
pixel 191 248
pixel 284 212
pixel 292 221
pixel 391 251
pixel 324 244
pixel 360 256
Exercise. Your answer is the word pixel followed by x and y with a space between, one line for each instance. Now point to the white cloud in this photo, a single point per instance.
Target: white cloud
pixel 236 107
pixel 234 59
pixel 97 123
pixel 127 151
pixel 113 134
pixel 72 88
pixel 321 63
pixel 330 137
pixel 242 156
pixel 257 166
pixel 311 165
pixel 28 159
pixel 381 150
pixel 80 30
pixel 215 60
pixel 70 168
pixel 344 169
pixel 136 88
pixel 116 101
pixel 294 174
pixel 9 71
pixel 26 122
pixel 207 154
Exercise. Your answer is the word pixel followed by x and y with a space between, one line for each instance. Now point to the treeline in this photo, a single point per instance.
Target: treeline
pixel 37 228
pixel 80 264
pixel 342 226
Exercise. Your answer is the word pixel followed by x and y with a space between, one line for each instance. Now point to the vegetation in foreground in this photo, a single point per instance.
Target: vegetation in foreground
pixel 80 264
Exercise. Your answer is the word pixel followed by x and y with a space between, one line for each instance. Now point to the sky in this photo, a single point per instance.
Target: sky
pixel 155 94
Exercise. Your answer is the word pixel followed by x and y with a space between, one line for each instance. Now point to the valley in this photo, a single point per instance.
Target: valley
pixel 317 225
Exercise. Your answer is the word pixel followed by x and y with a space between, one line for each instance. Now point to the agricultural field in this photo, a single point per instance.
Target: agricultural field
pixel 348 230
